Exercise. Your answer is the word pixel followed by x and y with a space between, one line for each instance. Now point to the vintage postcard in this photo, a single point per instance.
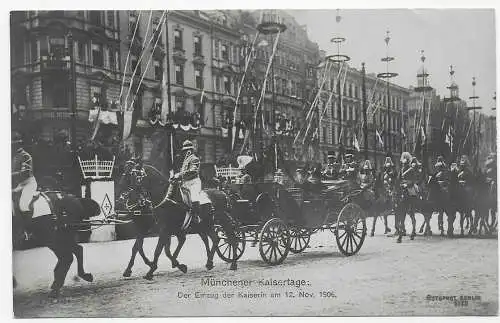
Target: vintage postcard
pixel 253 162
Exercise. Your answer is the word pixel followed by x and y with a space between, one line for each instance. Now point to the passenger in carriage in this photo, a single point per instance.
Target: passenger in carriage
pixel 366 181
pixel 314 179
pixel 349 168
pixel 331 171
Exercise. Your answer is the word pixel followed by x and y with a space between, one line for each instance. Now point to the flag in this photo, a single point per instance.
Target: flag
pixel 340 136
pixel 403 134
pixel 379 137
pixel 202 96
pixel 449 138
pixel 356 143
pixel 422 134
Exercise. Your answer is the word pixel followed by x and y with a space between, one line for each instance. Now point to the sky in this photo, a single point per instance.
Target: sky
pixel 464 38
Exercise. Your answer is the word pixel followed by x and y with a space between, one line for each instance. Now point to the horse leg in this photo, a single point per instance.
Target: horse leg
pixel 135 249
pixel 373 225
pixel 204 237
pixel 78 252
pixel 64 261
pixel 450 214
pixel 413 224
pixel 427 219
pixel 440 223
pixel 232 241
pixel 400 221
pixel 387 229
pixel 159 247
pixel 181 239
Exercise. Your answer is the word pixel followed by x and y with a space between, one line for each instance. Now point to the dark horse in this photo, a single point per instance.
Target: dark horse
pixel 172 218
pixel 56 221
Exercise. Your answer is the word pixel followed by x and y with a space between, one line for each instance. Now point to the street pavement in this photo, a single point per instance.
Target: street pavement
pixel 427 276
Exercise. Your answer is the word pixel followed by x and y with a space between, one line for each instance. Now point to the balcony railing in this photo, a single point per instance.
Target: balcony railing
pixel 55 63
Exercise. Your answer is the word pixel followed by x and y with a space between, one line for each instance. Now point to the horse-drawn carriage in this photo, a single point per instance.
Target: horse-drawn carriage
pixel 281 219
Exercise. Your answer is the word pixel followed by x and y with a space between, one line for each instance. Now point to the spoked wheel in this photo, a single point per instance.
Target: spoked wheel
pixel 274 242
pixel 224 248
pixel 351 229
pixel 299 239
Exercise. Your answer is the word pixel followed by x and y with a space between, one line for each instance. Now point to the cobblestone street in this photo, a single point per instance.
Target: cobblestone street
pixel 384 278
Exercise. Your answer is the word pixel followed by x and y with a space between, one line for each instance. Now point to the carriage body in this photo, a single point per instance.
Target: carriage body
pixel 282 219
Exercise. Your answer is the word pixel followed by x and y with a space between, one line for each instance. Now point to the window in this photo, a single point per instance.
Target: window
pixel 197 46
pixel 350 90
pixel 111 59
pixel 134 64
pixel 34 50
pixel 225 54
pixel 201 111
pixel 95 17
pixel 57 46
pixel 216 49
pixel 80 51
pixel 132 21
pixel 179 74
pixel 55 94
pixel 217 83
pixel 110 19
pixel 227 84
pixel 324 134
pixel 177 39
pixel 97 57
pixel 283 87
pixel 158 70
pixel 198 78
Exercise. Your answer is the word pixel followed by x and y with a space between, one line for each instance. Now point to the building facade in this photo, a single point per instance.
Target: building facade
pixel 346 132
pixel 121 56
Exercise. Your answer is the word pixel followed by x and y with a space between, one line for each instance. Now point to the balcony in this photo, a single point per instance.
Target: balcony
pixel 198 59
pixel 179 54
pixel 54 63
pixel 62 113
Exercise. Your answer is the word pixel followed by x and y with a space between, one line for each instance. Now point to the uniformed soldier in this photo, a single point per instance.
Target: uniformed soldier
pixel 390 175
pixel 23 179
pixel 491 169
pixel 442 177
pixel 409 174
pixel 441 174
pixel 464 172
pixel 349 169
pixel 190 175
pixel 331 171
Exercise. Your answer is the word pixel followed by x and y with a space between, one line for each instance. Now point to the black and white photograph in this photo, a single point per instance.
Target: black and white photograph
pixel 253 162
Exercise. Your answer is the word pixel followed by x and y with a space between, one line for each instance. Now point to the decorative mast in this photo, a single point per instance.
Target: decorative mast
pixel 387 76
pixel 338 59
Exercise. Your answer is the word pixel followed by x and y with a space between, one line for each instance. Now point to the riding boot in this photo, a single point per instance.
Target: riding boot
pixel 27 219
pixel 195 209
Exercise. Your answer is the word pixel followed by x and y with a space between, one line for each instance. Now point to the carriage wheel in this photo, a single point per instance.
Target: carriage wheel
pixel 274 242
pixel 299 239
pixel 224 249
pixel 350 232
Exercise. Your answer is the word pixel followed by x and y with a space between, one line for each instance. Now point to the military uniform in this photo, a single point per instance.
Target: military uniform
pixel 410 177
pixel 442 175
pixel 390 176
pixel 190 174
pixel 332 169
pixel 23 179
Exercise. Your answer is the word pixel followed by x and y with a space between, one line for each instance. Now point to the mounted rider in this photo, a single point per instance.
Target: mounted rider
pixel 464 173
pixel 23 180
pixel 409 174
pixel 190 176
pixel 442 175
pixel 390 176
pixel 490 167
pixel 332 168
